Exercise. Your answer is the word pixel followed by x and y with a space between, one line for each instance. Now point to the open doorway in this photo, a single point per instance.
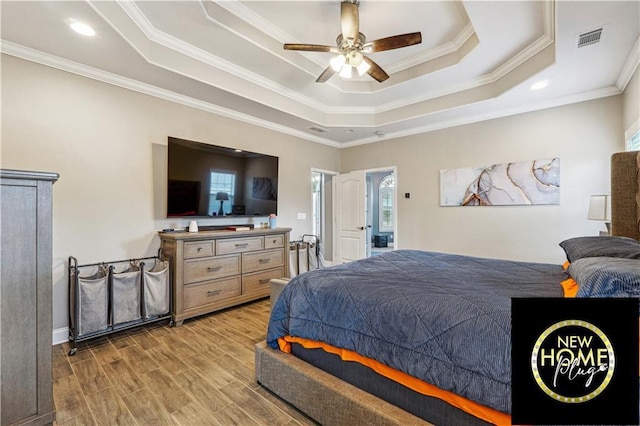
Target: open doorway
pixel 365 209
pixel 381 209
pixel 322 211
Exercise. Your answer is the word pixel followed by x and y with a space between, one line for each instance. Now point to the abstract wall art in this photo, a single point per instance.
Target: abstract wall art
pixel 522 183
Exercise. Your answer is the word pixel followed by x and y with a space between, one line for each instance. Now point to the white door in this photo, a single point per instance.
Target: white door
pixel 350 215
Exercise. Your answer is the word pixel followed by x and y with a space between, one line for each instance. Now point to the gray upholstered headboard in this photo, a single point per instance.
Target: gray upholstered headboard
pixel 625 194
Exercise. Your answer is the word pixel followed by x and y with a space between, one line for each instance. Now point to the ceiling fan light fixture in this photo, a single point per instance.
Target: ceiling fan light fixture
pixel 355 58
pixel 337 62
pixel 363 68
pixel 346 71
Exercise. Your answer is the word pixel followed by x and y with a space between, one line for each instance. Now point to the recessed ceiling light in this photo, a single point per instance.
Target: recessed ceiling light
pixel 237 150
pixel 81 28
pixel 539 84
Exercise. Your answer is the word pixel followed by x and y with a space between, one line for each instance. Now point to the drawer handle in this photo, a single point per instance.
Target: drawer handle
pixel 214 268
pixel 264 281
pixel 213 292
pixel 264 260
pixel 275 241
pixel 242 244
pixel 199 249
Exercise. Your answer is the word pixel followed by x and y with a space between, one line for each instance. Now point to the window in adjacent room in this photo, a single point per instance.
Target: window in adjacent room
pixel 322 209
pixel 632 137
pixel 222 182
pixel 386 192
pixel 633 143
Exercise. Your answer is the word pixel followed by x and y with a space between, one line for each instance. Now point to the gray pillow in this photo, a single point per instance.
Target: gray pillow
pixel 606 277
pixel 581 247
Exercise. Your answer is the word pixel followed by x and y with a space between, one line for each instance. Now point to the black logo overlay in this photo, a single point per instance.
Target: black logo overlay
pixel 574 361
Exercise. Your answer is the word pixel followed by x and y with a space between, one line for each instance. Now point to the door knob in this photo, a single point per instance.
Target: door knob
pixel 361 228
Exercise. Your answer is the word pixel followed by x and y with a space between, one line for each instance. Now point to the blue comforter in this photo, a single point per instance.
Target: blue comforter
pixel 442 318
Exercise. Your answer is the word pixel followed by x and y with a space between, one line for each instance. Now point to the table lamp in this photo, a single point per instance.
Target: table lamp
pixel 222 197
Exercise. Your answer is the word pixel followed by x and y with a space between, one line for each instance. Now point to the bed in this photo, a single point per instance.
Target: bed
pixel 416 345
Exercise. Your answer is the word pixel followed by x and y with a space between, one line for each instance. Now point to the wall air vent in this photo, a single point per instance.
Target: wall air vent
pixel 318 129
pixel 590 37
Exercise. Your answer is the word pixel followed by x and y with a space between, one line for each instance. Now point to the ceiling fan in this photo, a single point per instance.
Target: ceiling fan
pixel 351 44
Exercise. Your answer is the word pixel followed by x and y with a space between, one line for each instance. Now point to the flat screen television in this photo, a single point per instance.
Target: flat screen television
pixel 213 181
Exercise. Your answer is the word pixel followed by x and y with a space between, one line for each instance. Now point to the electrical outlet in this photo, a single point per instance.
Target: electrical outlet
pixel 302 216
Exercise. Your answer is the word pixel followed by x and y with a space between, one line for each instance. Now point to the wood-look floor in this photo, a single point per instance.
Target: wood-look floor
pixel 201 373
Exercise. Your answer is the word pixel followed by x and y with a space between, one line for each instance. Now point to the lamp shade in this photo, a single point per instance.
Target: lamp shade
pixel 600 208
pixel 222 196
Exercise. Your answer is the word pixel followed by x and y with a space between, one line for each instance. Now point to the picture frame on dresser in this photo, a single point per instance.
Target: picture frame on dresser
pixel 218 269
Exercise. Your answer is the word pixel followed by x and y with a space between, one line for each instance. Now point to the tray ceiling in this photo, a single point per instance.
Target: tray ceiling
pixel 477 60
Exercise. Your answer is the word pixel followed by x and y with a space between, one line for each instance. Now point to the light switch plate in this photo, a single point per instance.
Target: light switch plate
pixel 302 216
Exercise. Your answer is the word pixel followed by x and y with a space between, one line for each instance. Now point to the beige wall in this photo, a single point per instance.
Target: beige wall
pixel 631 102
pixel 109 146
pixel 582 135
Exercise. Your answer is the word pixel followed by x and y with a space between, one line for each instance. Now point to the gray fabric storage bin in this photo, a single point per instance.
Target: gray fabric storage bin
pixel 93 300
pixel 156 289
pixel 126 295
pixel 302 258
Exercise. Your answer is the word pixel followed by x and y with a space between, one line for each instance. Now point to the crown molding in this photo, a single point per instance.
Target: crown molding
pixel 22 52
pixel 629 67
pixel 547 38
pixel 163 39
pixel 251 18
pixel 476 118
pixel 435 53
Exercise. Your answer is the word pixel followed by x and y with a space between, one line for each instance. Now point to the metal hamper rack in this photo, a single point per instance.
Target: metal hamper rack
pixel 110 300
pixel 305 255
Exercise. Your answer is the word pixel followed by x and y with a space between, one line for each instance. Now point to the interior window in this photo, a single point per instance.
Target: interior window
pixel 633 143
pixel 222 183
pixel 386 190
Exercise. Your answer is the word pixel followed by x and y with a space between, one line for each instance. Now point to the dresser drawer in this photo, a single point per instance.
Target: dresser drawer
pixel 272 241
pixel 267 259
pixel 258 282
pixel 211 268
pixel 211 292
pixel 239 245
pixel 198 249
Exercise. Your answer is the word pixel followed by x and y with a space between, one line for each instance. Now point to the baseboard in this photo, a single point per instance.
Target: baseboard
pixel 60 335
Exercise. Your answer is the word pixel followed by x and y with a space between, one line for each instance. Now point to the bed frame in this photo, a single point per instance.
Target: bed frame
pixel 331 401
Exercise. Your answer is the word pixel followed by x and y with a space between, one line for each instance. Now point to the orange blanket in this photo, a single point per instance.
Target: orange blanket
pixel 485 413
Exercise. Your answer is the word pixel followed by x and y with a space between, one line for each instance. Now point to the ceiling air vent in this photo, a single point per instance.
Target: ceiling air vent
pixel 318 129
pixel 590 37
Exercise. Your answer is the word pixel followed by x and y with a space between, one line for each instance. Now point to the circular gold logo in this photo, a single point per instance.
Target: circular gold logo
pixel 572 361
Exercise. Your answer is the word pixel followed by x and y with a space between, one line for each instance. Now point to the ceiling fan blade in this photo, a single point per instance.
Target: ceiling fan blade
pixel 375 71
pixel 349 21
pixel 326 75
pixel 310 47
pixel 393 42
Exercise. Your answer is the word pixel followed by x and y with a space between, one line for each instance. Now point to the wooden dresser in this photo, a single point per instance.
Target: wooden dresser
pixel 25 300
pixel 213 270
